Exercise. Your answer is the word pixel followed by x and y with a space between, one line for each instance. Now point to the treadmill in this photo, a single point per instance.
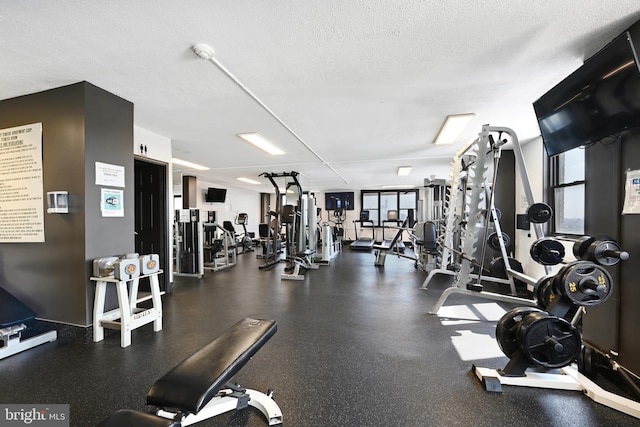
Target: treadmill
pixel 398 245
pixel 363 243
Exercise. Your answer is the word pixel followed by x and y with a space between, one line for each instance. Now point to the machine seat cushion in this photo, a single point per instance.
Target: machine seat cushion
pixel 13 311
pixel 126 417
pixel 196 380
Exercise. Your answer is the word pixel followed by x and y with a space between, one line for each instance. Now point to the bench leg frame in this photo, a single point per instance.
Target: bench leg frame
pixel 228 401
pixel 13 342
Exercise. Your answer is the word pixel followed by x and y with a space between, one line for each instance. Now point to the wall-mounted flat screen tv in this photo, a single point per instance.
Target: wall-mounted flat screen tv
pixel 339 200
pixel 216 195
pixel 599 99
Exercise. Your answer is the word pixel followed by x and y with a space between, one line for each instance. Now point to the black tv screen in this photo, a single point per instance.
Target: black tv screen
pixel 599 99
pixel 341 200
pixel 216 195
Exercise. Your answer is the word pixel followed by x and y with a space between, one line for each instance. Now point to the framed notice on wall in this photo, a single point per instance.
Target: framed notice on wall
pixel 111 202
pixel 21 193
pixel 632 193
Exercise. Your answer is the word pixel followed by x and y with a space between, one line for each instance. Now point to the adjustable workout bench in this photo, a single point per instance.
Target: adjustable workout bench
pixel 14 317
pixel 198 388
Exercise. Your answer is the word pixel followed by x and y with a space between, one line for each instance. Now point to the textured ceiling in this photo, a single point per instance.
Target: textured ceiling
pixel 365 83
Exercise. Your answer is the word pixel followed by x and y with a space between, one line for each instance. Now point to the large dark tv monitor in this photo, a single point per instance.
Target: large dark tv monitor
pixel 599 99
pixel 216 195
pixel 339 200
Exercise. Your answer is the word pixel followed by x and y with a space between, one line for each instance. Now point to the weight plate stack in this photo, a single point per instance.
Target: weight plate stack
pixel 547 251
pixel 581 245
pixel 506 329
pixel 497 268
pixel 584 283
pixel 548 341
pixel 494 242
pixel 543 292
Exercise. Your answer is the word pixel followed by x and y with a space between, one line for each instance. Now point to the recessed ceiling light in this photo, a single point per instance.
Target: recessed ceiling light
pixel 189 164
pixel 404 170
pixel 452 127
pixel 259 141
pixel 248 181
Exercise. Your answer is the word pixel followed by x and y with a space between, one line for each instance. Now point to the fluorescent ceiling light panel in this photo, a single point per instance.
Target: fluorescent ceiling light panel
pixel 404 170
pixel 189 164
pixel 452 127
pixel 248 181
pixel 257 140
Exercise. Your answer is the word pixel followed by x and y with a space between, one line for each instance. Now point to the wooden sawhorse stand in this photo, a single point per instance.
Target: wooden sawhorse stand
pixel 127 316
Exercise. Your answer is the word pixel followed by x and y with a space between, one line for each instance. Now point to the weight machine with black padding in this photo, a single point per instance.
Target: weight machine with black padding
pixel 470 211
pixel 297 218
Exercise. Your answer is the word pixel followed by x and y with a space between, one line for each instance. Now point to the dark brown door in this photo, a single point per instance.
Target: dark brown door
pixel 151 220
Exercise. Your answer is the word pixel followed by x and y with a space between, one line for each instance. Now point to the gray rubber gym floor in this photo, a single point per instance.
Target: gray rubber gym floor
pixel 355 347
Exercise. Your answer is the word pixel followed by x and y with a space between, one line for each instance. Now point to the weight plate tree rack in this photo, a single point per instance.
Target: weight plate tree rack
pixel 471 194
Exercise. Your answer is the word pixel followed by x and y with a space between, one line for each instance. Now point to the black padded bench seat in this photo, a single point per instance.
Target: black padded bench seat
pixel 13 311
pixel 190 385
pixel 199 387
pixel 14 318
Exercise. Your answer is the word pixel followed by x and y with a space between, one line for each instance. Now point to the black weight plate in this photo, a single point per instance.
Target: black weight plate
pixel 497 269
pixel 506 329
pixel 548 341
pixel 539 213
pixel 543 292
pixel 581 246
pixel 584 283
pixel 547 251
pixel 494 242
pixel 598 249
pixel 588 362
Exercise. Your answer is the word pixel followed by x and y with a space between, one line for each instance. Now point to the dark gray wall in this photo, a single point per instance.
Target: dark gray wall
pixel 613 325
pixel 81 124
pixel 505 194
pixel 629 284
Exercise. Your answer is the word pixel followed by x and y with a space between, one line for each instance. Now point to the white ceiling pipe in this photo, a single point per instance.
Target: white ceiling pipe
pixel 205 52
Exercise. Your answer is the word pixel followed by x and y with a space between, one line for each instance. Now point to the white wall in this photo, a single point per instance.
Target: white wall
pixel 534 157
pixel 237 200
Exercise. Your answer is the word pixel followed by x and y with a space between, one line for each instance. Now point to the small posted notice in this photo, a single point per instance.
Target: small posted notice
pixel 21 193
pixel 111 202
pixel 632 193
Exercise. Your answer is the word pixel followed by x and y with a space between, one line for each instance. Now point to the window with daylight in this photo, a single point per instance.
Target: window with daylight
pixel 379 203
pixel 568 188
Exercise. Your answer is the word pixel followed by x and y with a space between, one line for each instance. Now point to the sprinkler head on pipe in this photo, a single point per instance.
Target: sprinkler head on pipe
pixel 204 51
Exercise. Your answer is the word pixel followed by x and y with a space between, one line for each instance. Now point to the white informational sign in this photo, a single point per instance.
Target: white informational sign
pixel 111 175
pixel 111 202
pixel 21 193
pixel 632 193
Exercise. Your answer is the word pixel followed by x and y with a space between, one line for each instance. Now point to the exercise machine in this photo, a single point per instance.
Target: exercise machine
pixel 189 242
pixel 299 225
pixel 219 247
pixel 469 215
pixel 200 387
pixel 363 243
pixel 15 316
pixel 425 245
pixel 243 240
pixel 392 218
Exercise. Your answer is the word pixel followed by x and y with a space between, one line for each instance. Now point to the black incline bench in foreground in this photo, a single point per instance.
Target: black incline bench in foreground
pixel 199 387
